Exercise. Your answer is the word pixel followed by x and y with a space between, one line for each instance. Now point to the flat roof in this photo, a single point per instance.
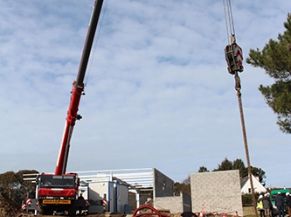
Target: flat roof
pixel 138 178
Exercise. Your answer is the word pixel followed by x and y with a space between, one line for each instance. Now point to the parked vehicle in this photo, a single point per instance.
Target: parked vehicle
pixel 274 193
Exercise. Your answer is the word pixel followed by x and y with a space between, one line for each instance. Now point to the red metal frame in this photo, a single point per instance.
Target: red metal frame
pixel 147 211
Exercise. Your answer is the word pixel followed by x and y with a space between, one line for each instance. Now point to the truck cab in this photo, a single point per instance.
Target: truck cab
pixel 57 193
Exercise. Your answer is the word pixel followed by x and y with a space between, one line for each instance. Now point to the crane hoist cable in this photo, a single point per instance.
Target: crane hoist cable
pixel 234 58
pixel 228 19
pixel 233 52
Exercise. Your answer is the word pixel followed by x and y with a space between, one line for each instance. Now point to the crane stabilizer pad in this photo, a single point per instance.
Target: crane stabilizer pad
pixel 56 202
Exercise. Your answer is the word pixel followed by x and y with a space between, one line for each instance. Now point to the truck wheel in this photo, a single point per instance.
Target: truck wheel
pixel 46 211
pixel 72 211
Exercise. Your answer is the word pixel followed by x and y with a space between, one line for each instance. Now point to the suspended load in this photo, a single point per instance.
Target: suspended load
pixel 234 58
pixel 233 52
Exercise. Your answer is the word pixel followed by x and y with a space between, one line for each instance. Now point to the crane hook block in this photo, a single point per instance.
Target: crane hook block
pixel 234 58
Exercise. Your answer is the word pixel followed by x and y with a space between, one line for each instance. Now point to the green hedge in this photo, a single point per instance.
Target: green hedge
pixel 247 199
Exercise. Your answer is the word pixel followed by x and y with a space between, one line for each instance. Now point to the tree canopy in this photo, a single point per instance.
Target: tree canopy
pixel 224 165
pixel 275 59
pixel 238 164
pixel 203 169
pixel 13 190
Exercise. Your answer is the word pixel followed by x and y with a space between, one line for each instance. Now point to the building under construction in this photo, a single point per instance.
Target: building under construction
pixel 147 185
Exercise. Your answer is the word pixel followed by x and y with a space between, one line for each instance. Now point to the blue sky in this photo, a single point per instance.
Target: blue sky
pixel 157 90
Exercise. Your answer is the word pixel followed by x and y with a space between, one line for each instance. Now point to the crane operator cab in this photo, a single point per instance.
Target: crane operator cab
pixel 234 58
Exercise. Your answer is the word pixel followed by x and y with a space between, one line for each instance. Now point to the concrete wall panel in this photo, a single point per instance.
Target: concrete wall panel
pixel 216 192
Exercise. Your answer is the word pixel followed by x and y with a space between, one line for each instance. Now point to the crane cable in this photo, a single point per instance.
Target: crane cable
pixel 231 42
pixel 228 20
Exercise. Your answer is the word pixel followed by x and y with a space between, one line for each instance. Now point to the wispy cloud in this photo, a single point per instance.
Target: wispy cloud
pixel 157 91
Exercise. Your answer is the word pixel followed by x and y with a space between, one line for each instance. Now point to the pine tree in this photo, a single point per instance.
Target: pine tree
pixel 202 169
pixel 275 59
pixel 224 165
pixel 238 164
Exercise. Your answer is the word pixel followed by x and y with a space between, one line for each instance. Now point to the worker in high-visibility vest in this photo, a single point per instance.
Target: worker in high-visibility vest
pixel 260 206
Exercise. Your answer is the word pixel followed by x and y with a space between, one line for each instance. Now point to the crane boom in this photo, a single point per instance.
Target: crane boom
pixel 77 90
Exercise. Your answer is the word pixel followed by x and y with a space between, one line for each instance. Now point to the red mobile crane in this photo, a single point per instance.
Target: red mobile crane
pixel 59 191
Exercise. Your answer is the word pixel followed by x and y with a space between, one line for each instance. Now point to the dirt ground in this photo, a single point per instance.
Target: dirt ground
pixel 249 211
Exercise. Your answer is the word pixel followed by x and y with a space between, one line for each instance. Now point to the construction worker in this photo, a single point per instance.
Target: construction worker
pixel 288 203
pixel 81 204
pixel 267 205
pixel 279 202
pixel 260 207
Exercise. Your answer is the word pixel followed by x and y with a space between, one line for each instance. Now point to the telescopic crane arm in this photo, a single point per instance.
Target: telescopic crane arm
pixel 77 90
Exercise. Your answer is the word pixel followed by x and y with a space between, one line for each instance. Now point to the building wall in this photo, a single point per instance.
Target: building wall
pixel 122 198
pixel 116 195
pixel 144 196
pixel 163 185
pixel 132 200
pixel 175 204
pixel 97 190
pixel 216 192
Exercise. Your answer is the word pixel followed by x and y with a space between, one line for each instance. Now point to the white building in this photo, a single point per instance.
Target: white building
pixel 143 184
pixel 246 185
pixel 105 193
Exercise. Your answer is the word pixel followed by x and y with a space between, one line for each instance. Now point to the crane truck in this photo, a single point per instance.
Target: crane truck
pixel 58 192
